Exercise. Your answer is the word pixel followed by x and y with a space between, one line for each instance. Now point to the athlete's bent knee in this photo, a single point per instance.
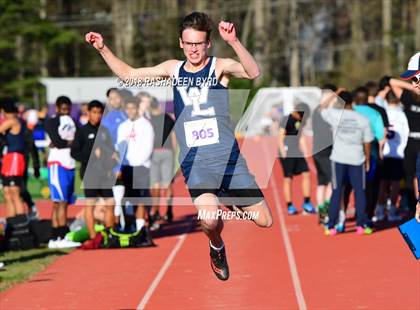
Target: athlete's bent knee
pixel 210 224
pixel 269 222
pixel 264 218
pixel 264 221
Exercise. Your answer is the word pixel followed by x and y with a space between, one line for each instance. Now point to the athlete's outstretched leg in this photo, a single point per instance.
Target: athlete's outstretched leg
pixel 207 205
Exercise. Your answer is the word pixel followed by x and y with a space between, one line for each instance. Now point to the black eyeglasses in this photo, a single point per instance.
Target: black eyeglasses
pixel 195 44
pixel 415 79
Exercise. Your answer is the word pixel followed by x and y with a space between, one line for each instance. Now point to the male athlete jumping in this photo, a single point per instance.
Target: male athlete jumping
pixel 209 154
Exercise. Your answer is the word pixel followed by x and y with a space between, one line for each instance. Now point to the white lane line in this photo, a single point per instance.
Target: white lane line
pixel 163 269
pixel 287 244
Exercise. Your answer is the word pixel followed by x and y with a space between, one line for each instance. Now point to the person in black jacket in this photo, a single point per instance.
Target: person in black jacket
pixel 93 148
pixel 408 91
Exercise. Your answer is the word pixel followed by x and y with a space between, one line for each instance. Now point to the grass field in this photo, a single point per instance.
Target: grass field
pixel 21 265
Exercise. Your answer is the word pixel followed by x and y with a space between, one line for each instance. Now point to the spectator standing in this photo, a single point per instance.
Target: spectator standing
pixel 293 150
pixel 350 158
pixel 161 171
pixel 409 95
pixel 393 164
pixel 94 149
pixel 135 144
pixel 61 130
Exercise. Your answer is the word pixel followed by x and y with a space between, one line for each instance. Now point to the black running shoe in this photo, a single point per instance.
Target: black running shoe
pixel 168 217
pixel 156 217
pixel 219 263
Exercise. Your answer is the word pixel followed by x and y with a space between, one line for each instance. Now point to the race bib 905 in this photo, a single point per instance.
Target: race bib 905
pixel 201 132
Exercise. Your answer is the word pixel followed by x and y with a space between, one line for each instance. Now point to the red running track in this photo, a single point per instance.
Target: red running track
pixel 289 266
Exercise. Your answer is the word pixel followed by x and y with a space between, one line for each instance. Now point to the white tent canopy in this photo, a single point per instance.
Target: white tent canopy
pixel 258 115
pixel 85 89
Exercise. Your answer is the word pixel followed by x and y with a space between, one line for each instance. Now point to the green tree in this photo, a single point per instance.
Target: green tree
pixel 27 41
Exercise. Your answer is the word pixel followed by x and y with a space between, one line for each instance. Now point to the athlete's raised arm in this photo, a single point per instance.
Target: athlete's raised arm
pixel 398 87
pixel 247 67
pixel 123 70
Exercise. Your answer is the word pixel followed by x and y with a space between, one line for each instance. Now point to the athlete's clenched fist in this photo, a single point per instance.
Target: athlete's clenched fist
pixel 227 31
pixel 95 39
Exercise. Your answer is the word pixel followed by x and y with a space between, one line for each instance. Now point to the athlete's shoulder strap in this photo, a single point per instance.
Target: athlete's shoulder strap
pixel 176 70
pixel 212 66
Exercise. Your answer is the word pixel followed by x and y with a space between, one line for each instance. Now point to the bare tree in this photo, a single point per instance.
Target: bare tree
pixel 417 28
pixel 386 33
pixel 260 37
pixel 42 48
pixel 247 23
pixel 357 35
pixel 124 28
pixel 217 44
pixel 294 72
pixel 20 52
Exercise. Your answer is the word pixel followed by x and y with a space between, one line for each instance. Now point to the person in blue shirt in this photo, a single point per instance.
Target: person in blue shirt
pixel 378 129
pixel 114 114
pixel 376 123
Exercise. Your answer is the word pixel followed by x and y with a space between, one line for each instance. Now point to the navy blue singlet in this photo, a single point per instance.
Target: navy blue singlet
pixel 201 107
pixel 16 143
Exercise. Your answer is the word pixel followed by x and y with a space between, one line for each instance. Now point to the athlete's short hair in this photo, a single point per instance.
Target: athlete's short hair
pixel 124 94
pixel 330 86
pixel 154 103
pixel 61 100
pixel 8 105
pixel 347 97
pixel 111 90
pixel 303 110
pixel 391 97
pixel 198 21
pixel 143 94
pixel 372 88
pixel 132 100
pixel 95 104
pixel 360 95
pixel 384 82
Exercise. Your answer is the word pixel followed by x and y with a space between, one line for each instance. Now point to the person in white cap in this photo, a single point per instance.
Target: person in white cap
pixel 409 95
pixel 413 73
